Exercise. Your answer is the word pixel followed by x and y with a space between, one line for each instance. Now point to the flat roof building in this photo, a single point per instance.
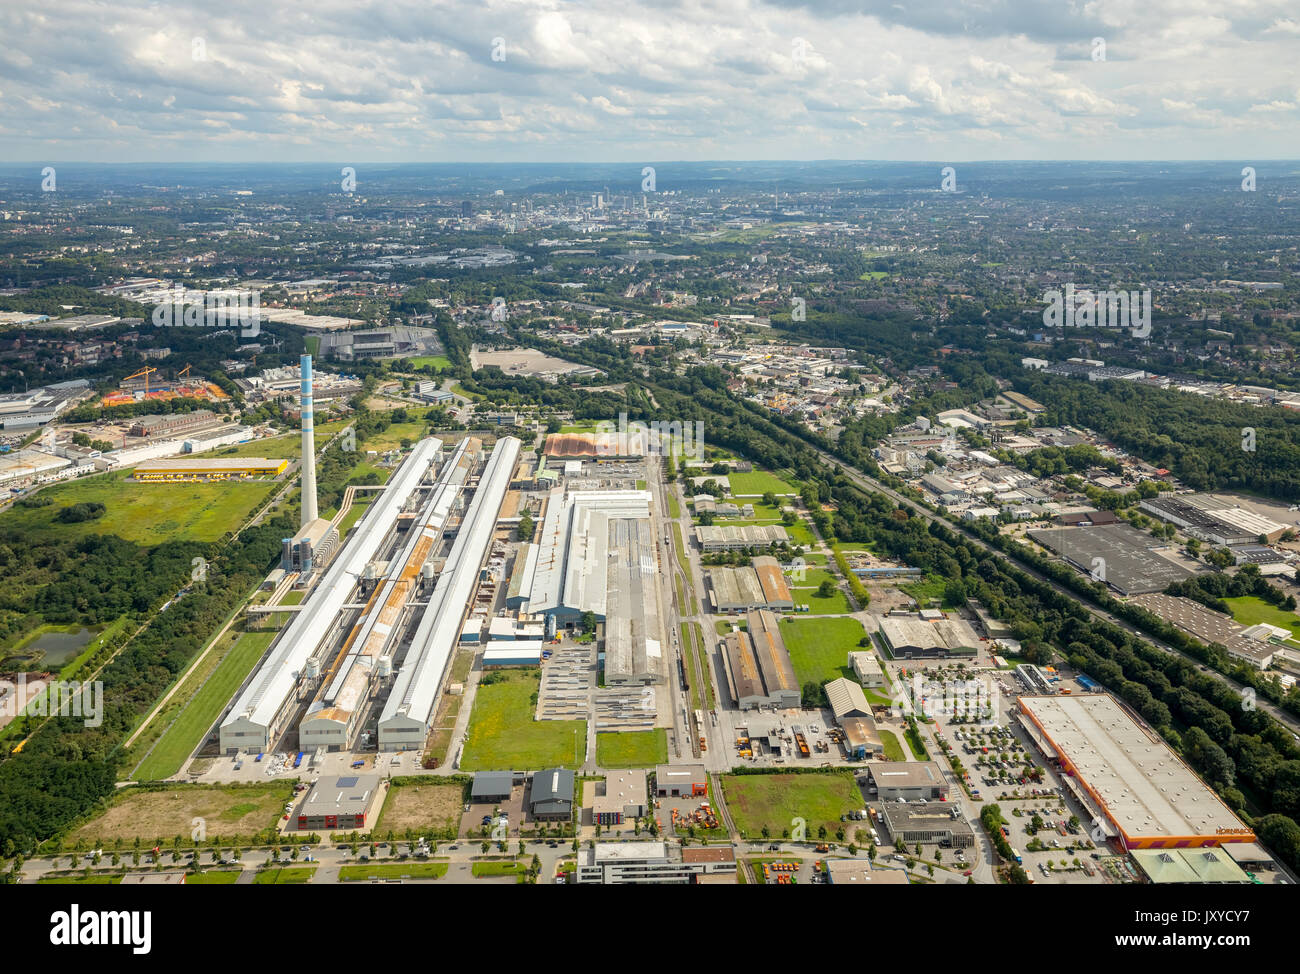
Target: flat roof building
pixel 620 798
pixel 912 637
pixel 867 668
pixel 927 823
pixel 675 780
pixel 340 802
pixel 739 537
pixel 909 780
pixel 855 872
pixel 1128 774
pixel 491 786
pixel 210 468
pixel 652 862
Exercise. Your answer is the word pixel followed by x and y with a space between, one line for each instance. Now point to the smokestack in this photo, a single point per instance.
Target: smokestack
pixel 308 444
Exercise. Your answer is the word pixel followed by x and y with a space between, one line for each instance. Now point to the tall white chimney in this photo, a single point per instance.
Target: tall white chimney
pixel 308 444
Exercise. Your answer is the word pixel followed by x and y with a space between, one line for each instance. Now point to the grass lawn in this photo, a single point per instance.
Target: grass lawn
pixel 674 507
pixel 503 736
pixel 893 749
pixel 391 438
pixel 800 533
pixel 759 482
pixel 1250 610
pixel 837 603
pixel 287 446
pixel 285 876
pixel 774 800
pixel 223 877
pixel 143 513
pixel 437 361
pixel 679 548
pixel 495 868
pixel 819 648
pixel 91 880
pixel 931 589
pixel 632 749
pixel 228 810
pixel 393 870
pixel 204 707
pixel 360 504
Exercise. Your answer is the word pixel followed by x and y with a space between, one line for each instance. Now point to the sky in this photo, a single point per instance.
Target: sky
pixel 629 81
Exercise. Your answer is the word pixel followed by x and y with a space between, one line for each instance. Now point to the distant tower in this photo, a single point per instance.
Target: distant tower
pixel 308 445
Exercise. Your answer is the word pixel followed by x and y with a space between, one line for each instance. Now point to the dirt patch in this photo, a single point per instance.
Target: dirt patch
pixel 226 810
pixel 420 807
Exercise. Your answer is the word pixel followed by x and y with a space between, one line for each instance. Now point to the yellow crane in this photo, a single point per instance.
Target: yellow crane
pixel 143 372
pixel 183 372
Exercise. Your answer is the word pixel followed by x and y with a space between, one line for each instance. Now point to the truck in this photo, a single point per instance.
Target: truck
pixel 1015 854
pixel 298 760
pixel 358 764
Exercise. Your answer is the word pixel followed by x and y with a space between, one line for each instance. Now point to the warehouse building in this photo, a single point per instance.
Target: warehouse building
pixel 927 823
pixel 854 872
pixel 512 652
pixel 776 593
pixel 213 468
pixel 520 588
pixel 550 796
pixel 631 445
pixel 1118 554
pixel 735 590
pixel 631 656
pixel 909 780
pixel 1210 517
pixel 1142 793
pixel 491 786
pixel 912 637
pixel 774 666
pixel 340 802
pixel 677 780
pixel 862 741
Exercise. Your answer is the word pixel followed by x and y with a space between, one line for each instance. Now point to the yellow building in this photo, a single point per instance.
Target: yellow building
pixel 212 468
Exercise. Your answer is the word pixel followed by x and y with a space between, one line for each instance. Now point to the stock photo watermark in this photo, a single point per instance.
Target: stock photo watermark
pixel 1084 308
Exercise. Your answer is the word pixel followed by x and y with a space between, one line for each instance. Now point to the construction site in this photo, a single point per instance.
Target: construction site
pixel 147 384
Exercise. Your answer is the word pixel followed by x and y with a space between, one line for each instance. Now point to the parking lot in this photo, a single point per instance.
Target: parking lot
pixel 473 818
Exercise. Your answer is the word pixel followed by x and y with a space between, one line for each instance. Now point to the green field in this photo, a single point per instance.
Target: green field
pixel 774 800
pixel 496 868
pixel 393 870
pixel 836 604
pixel 1250 610
pixel 221 877
pixel 99 634
pixel 632 749
pixel 94 879
pixel 819 648
pixel 143 513
pixel 204 707
pixel 285 876
pixel 674 507
pixel 759 482
pixel 893 749
pixel 436 361
pixel 391 438
pixel 503 736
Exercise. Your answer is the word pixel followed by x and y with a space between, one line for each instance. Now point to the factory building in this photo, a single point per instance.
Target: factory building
pixel 620 798
pixel 678 780
pixel 365 661
pixel 411 703
pixel 550 795
pixel 654 862
pixel 909 780
pixel 927 823
pixel 867 668
pixel 632 657
pixel 912 637
pixel 268 700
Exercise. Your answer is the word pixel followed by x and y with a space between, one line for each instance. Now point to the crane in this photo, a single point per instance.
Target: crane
pixel 143 372
pixel 183 372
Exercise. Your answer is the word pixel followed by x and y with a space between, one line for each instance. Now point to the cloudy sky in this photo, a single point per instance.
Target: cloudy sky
pixel 622 80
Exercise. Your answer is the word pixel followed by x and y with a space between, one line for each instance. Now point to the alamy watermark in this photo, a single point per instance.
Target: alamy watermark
pixel 971 701
pixel 58 698
pixel 659 437
pixel 1083 308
